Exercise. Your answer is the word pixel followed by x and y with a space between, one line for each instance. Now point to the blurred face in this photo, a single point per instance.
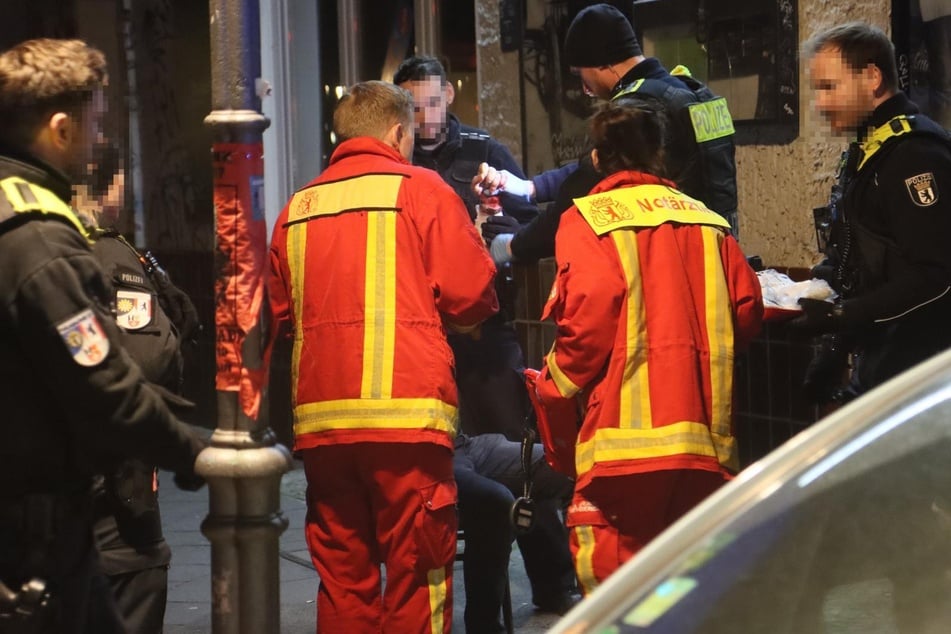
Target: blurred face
pixel 844 97
pixel 87 131
pixel 431 98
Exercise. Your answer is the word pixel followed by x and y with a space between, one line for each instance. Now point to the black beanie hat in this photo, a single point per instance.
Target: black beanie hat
pixel 600 35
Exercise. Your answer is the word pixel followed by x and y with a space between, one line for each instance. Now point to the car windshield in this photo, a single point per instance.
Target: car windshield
pixel 860 541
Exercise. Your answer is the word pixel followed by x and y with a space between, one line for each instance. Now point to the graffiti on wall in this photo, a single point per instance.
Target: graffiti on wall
pixel 921 31
pixel 169 196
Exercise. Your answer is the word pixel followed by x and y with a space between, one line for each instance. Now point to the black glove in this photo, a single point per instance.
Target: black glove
pixel 825 373
pixel 825 270
pixel 496 225
pixel 817 317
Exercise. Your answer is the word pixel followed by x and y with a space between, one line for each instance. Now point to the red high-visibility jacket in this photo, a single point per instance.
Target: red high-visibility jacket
pixel 651 299
pixel 369 261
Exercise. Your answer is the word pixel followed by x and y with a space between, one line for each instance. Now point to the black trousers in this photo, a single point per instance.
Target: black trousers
pixel 140 597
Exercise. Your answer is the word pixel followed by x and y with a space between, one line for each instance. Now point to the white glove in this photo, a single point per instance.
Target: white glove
pixel 501 249
pixel 489 181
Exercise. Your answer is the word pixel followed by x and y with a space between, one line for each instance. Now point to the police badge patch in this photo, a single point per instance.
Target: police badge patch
pixel 133 309
pixel 922 189
pixel 84 338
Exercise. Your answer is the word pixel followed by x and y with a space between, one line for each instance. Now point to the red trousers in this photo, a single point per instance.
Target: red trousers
pixel 614 517
pixel 382 504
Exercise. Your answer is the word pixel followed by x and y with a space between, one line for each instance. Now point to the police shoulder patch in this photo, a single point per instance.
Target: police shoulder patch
pixel 133 309
pixel 84 338
pixel 923 189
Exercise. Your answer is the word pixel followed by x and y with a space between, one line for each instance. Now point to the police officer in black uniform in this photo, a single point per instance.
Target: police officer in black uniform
pixel 491 394
pixel 602 47
pixel 492 399
pixel 74 400
pixel 890 217
pixel 154 318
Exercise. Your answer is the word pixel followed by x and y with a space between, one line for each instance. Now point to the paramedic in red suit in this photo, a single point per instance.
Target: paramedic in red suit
pixel 651 300
pixel 369 271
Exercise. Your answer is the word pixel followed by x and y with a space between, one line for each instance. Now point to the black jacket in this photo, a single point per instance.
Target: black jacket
pixel 897 212
pixel 537 240
pixel 490 392
pixel 128 524
pixel 457 161
pixel 66 410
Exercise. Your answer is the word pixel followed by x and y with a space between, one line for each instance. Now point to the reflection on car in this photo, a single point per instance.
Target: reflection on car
pixel 845 528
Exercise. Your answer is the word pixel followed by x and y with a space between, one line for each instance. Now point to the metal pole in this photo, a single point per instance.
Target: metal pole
pixel 244 465
pixel 427 31
pixel 349 24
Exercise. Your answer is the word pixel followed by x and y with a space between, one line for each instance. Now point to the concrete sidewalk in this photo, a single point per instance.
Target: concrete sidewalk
pixel 189 587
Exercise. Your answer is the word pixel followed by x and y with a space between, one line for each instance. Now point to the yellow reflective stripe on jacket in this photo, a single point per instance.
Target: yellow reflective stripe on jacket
pixel 680 71
pixel 719 322
pixel 379 332
pixel 27 197
pixel 677 439
pixel 711 119
pixel 635 397
pixel 627 90
pixel 377 193
pixel 372 192
pixel 566 387
pixel 395 413
pixel 296 248
pixel 895 126
pixel 644 206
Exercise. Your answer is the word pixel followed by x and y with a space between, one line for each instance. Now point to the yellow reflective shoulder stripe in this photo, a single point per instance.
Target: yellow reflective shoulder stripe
pixel 370 192
pixel 644 206
pixel 896 126
pixel 681 71
pixel 27 197
pixel 397 413
pixel 711 119
pixel 676 439
pixel 627 90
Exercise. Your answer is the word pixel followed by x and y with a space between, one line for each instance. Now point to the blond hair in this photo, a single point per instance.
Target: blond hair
pixel 41 77
pixel 371 108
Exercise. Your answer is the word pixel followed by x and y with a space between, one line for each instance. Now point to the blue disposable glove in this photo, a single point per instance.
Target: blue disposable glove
pixel 500 249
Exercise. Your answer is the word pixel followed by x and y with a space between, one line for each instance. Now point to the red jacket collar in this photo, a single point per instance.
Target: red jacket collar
pixel 365 145
pixel 629 178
